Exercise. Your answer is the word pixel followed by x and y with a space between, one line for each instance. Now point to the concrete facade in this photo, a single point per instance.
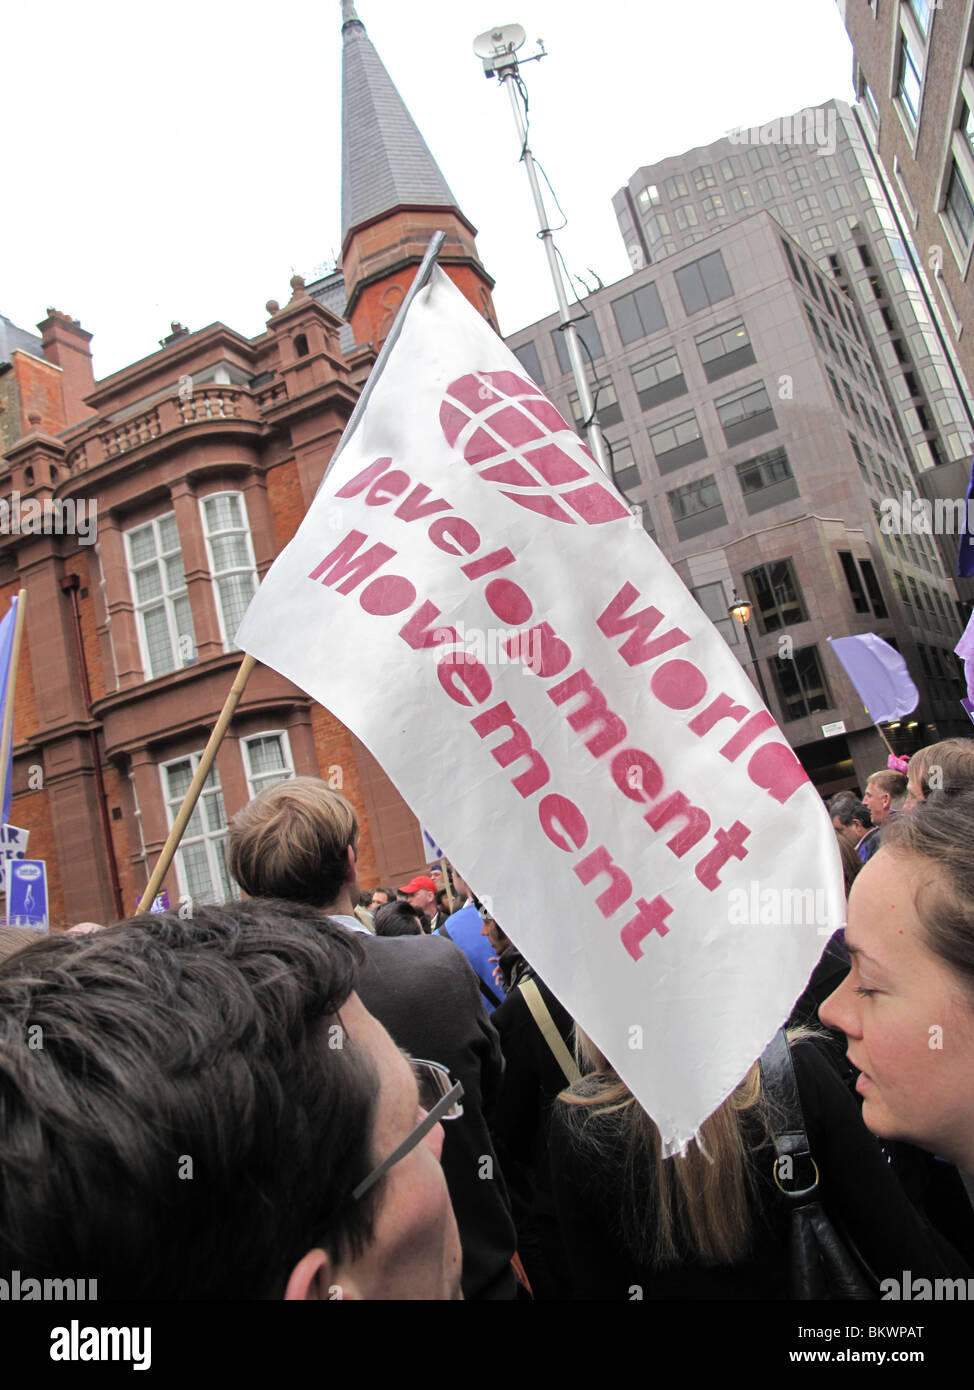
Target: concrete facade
pixel 914 76
pixel 816 174
pixel 750 428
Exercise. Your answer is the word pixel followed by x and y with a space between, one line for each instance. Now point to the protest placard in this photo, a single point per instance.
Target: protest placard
pixel 13 845
pixel 641 827
pixel 27 894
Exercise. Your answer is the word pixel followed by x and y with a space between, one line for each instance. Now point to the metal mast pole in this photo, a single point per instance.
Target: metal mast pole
pixel 595 441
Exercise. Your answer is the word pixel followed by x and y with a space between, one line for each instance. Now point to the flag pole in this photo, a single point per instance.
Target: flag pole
pixel 8 706
pixel 885 739
pixel 445 871
pixel 196 786
pixel 421 279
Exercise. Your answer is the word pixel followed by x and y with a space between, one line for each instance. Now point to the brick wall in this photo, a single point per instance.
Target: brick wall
pixel 285 501
pixel 338 767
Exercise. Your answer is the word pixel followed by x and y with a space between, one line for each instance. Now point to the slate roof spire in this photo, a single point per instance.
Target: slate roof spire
pixel 386 163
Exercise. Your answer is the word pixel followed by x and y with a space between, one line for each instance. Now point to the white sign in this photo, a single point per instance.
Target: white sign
pixel 613 783
pixel 13 844
pixel 431 850
pixel 828 730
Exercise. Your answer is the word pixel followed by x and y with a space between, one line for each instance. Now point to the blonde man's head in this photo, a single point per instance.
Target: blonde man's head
pixel 292 842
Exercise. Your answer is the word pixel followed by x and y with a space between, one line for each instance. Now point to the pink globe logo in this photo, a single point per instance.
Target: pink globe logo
pixel 512 435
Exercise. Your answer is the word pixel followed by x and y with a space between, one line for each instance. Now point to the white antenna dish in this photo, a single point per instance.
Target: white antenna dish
pixel 505 38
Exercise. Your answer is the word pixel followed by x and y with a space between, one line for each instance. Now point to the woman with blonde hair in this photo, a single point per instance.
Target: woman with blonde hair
pixel 714 1223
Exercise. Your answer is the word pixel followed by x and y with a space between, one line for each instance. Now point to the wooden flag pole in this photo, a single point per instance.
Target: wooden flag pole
pixel 8 706
pixel 885 739
pixel 196 786
pixel 445 871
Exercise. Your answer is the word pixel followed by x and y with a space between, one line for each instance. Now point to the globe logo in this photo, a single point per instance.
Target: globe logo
pixel 513 436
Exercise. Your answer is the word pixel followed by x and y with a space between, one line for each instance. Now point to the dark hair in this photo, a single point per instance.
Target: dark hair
pixel 851 863
pixel 848 808
pixel 181 1124
pixel 939 830
pixel 398 919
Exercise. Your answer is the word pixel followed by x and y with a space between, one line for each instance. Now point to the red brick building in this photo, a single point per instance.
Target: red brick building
pixel 159 497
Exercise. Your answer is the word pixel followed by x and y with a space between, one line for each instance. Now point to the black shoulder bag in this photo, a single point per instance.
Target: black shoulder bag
pixel 823 1263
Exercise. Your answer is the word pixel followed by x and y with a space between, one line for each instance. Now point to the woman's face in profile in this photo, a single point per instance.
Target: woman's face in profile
pixel 908 1022
pixel 914 794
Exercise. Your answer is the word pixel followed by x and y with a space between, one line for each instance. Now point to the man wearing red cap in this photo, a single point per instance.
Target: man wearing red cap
pixel 421 892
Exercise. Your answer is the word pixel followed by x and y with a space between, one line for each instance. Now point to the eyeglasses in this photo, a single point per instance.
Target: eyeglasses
pixel 439 1096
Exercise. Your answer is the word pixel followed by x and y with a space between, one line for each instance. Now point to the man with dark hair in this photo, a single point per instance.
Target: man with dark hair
pixel 850 818
pixel 214 1114
pixel 399 919
pixel 288 842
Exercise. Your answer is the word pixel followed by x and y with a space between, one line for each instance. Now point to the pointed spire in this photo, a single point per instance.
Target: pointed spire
pixel 386 163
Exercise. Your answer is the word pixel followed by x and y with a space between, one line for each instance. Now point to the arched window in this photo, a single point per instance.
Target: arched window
pixel 301 345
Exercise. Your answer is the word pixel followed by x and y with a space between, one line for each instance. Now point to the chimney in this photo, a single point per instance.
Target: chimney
pixel 66 345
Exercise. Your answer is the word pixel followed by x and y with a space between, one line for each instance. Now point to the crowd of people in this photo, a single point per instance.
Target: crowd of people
pixel 322 1091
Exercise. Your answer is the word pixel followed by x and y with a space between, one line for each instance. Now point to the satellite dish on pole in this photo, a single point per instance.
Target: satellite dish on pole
pixel 499 42
pixel 505 38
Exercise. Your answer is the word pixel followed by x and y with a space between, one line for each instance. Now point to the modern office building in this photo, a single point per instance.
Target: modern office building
pixel 750 423
pixel 914 78
pixel 815 174
pixel 913 72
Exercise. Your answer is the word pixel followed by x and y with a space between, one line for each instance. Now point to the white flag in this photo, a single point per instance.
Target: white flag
pixel 546 692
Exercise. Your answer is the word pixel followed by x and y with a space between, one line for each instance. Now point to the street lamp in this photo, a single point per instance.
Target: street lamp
pixel 740 610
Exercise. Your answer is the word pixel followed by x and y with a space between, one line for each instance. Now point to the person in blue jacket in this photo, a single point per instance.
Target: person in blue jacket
pixel 463 927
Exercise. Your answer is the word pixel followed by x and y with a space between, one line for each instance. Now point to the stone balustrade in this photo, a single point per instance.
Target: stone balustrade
pixel 203 404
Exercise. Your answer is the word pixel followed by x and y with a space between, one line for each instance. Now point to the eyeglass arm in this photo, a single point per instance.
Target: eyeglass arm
pixel 418 1134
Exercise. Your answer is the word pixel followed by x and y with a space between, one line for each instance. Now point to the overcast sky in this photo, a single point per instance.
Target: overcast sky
pixel 181 162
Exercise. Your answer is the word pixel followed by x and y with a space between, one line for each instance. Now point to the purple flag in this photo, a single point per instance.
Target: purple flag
pixel 6 649
pixel 965 650
pixel 965 550
pixel 879 674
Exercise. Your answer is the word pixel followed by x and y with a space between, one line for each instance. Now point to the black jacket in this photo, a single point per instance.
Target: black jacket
pixel 424 991
pixel 532 1080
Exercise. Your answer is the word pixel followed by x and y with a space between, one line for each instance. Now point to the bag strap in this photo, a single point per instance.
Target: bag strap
pixel 542 1017
pixel 820 1252
pixel 790 1138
